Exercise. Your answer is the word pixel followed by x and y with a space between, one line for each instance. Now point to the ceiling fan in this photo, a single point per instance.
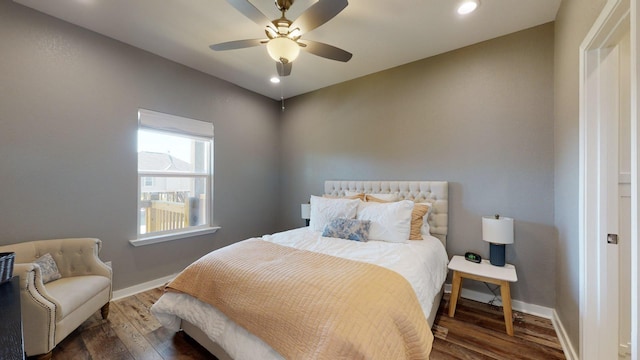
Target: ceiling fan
pixel 284 36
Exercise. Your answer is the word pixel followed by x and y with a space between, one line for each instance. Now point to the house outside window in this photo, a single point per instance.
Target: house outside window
pixel 175 175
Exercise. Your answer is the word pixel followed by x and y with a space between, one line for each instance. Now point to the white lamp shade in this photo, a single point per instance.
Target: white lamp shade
pixel 305 211
pixel 497 231
pixel 283 49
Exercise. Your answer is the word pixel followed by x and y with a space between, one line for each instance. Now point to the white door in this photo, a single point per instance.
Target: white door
pixel 606 144
pixel 609 99
pixel 624 199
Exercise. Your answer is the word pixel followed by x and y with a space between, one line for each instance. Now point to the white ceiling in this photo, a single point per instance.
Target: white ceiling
pixel 381 34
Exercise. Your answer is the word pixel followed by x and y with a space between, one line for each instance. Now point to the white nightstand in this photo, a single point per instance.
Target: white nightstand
pixel 483 271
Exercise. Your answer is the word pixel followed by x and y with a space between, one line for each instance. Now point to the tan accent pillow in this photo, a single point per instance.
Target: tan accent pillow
pixel 359 196
pixel 417 216
pixel 417 220
pixel 369 197
pixel 381 197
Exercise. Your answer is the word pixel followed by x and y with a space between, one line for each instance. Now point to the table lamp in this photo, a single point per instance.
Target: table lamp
pixel 498 231
pixel 305 212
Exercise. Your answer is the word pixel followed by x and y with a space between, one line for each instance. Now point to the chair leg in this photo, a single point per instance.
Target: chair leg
pixel 46 356
pixel 105 311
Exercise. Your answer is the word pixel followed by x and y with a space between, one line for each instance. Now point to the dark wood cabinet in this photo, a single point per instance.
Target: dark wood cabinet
pixel 11 341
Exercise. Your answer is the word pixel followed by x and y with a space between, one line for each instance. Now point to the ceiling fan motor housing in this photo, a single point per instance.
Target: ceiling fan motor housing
pixel 282 26
pixel 284 5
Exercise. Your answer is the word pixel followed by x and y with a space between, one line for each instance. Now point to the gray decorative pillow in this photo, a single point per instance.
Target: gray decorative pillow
pixel 48 268
pixel 350 229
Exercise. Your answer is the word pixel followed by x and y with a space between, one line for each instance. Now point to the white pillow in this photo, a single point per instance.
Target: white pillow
pixel 323 210
pixel 389 221
pixel 426 229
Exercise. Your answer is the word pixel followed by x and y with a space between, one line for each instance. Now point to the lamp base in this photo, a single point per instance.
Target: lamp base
pixel 497 254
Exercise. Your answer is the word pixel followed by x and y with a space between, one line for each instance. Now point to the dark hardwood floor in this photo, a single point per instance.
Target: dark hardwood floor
pixel 476 332
pixel 130 332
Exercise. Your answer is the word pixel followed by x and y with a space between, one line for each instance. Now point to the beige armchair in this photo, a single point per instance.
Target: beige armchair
pixel 53 310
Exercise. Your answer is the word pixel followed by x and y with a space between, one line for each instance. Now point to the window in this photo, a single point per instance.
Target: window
pixel 175 173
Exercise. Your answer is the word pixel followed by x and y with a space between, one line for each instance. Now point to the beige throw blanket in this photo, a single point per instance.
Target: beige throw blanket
pixel 307 305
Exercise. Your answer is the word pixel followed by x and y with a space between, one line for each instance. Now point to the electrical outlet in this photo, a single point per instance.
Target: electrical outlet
pixel 108 264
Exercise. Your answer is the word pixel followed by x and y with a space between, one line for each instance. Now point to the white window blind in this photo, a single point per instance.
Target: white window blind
pixel 172 123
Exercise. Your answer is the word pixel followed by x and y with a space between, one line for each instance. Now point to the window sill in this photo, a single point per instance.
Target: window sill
pixel 169 237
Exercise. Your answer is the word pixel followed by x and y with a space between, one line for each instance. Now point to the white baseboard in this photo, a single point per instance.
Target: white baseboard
pixel 532 309
pixel 569 351
pixel 537 310
pixel 135 289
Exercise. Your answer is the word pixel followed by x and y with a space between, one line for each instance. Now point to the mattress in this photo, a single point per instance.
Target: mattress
pixel 422 263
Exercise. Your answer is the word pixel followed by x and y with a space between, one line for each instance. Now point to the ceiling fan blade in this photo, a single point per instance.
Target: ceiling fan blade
pixel 318 14
pixel 247 9
pixel 283 69
pixel 326 51
pixel 238 44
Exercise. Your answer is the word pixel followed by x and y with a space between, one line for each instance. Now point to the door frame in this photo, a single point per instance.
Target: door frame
pixel 598 305
pixel 635 183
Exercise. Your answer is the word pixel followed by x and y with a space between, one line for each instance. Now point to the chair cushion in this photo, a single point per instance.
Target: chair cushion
pixel 72 292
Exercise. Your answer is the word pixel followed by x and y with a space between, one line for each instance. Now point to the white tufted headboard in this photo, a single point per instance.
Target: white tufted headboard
pixel 435 192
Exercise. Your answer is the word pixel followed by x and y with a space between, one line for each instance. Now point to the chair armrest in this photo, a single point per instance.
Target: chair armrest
pixel 31 282
pixel 23 270
pixel 41 307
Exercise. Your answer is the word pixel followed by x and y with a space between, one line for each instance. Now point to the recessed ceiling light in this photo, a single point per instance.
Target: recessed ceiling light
pixel 275 80
pixel 467 6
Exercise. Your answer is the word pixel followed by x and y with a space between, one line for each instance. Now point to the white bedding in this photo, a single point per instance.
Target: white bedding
pixel 422 263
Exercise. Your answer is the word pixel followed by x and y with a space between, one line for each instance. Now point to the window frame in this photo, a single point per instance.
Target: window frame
pixel 189 128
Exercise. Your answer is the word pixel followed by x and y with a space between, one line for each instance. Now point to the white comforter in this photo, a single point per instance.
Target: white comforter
pixel 422 263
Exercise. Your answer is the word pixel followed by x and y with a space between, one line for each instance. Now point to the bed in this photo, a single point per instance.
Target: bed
pixel 421 264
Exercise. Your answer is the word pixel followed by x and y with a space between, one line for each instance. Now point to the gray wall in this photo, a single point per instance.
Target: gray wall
pixel 573 21
pixel 68 103
pixel 480 117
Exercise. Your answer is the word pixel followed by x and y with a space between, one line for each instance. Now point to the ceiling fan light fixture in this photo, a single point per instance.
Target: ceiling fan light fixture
pixel 271 32
pixel 295 34
pixel 283 49
pixel 468 6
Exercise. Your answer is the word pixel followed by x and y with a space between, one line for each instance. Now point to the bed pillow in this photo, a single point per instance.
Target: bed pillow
pixel 389 221
pixel 419 216
pixel 323 210
pixel 426 230
pixel 350 229
pixel 48 268
pixel 381 197
pixel 359 196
